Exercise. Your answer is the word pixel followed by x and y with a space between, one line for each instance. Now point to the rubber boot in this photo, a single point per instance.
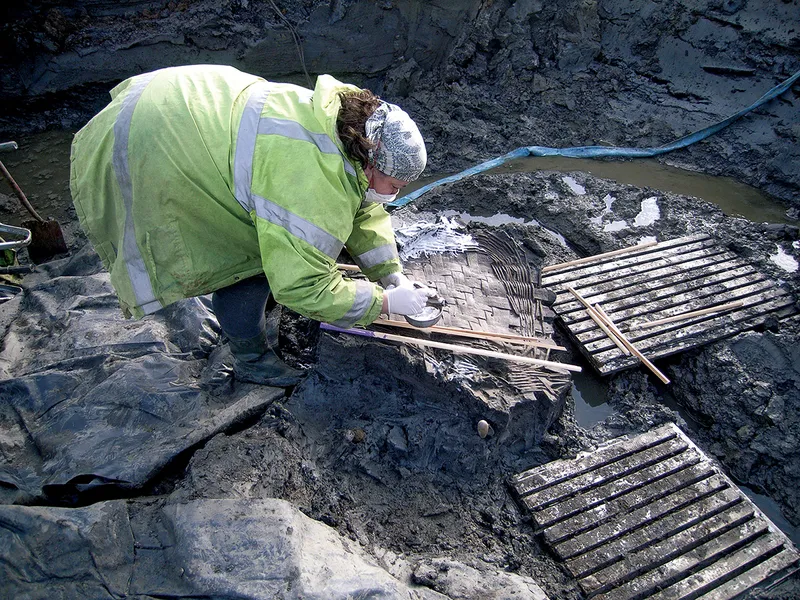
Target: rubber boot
pixel 255 361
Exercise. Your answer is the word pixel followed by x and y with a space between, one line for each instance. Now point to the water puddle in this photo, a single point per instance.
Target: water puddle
pixel 773 512
pixel 590 394
pixel 732 197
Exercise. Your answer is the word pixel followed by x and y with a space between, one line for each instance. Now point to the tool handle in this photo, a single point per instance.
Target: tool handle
pixel 18 191
pixel 22 234
pixel 17 269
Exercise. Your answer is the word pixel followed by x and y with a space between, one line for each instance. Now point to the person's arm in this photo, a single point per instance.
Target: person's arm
pixel 305 279
pixel 372 244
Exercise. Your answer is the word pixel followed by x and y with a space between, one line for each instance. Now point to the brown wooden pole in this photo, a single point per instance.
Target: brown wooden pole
pixel 608 320
pixel 471 333
pixel 595 316
pixel 555 366
pixel 19 193
pixel 621 337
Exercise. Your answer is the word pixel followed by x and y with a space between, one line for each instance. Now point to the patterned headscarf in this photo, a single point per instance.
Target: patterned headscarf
pixel 400 150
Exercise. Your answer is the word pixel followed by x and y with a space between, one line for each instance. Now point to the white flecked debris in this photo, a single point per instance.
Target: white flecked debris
pixel 598 220
pixel 425 238
pixel 616 226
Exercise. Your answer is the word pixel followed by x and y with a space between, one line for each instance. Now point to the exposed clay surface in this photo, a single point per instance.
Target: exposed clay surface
pixel 481 79
pixel 732 386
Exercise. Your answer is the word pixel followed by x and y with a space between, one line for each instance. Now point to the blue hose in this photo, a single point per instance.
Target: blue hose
pixel 599 151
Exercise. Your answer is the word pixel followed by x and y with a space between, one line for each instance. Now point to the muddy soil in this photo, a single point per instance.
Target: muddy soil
pixel 481 79
pixel 729 388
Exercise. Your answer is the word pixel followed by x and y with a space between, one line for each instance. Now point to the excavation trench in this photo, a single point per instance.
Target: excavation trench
pixel 113 426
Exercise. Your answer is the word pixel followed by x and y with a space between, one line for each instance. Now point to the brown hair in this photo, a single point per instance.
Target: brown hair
pixel 356 109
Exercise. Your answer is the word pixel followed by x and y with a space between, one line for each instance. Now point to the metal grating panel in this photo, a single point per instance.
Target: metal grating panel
pixel 652 517
pixel 665 280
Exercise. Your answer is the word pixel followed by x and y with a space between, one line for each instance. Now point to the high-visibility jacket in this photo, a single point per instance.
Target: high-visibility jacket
pixel 196 177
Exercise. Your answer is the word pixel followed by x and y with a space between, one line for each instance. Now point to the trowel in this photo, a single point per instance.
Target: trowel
pixel 430 315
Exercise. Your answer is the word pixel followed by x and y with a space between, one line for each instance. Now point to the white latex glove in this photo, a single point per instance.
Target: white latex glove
pixel 406 300
pixel 395 280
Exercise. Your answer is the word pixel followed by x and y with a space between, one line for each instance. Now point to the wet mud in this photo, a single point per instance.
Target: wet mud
pixel 372 443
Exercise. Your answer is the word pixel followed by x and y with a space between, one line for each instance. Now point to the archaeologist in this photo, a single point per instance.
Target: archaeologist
pixel 203 179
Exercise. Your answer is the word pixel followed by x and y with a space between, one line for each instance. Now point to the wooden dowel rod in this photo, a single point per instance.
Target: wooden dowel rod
pixel 608 320
pixel 601 323
pixel 346 267
pixel 689 315
pixel 471 333
pixel 589 259
pixel 594 316
pixel 638 354
pixel 621 337
pixel 534 341
pixel 556 366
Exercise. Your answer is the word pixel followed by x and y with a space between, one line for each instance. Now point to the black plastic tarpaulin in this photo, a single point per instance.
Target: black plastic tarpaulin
pixel 258 549
pixel 89 398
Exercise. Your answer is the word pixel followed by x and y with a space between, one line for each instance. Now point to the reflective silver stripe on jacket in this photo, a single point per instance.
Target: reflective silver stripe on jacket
pixel 140 280
pixel 374 257
pixel 246 144
pixel 297 226
pixel 360 306
pixel 295 131
pixel 277 215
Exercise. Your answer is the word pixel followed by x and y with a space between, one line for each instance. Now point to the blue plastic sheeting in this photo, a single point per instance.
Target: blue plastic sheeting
pixel 599 151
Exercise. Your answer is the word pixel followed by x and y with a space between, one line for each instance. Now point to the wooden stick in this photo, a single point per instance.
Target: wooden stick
pixel 688 315
pixel 638 354
pixel 555 366
pixel 588 259
pixel 595 316
pixel 346 267
pixel 471 333
pixel 621 337
pixel 608 320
